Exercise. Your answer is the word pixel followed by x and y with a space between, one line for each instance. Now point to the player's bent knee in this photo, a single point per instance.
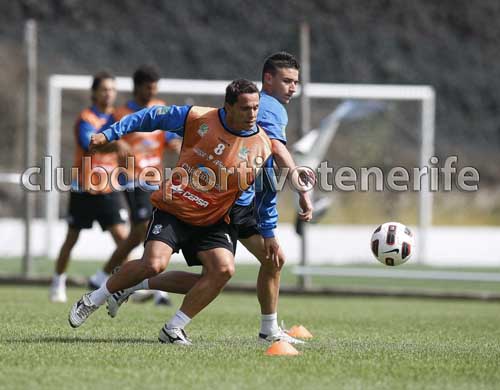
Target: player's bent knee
pixel 228 271
pixel 223 272
pixel 155 266
pixel 155 257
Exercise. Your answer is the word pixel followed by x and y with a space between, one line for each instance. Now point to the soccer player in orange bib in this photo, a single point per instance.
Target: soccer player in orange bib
pixel 89 201
pixel 280 76
pixel 147 150
pixel 221 153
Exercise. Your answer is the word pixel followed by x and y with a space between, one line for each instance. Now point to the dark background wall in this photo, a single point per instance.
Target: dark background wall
pixel 451 45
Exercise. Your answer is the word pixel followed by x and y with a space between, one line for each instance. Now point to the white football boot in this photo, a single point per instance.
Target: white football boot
pixel 173 336
pixel 280 335
pixel 81 310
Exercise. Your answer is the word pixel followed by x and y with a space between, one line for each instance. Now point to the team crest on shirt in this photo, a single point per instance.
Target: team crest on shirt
pixel 157 229
pixel 203 129
pixel 243 153
pixel 162 110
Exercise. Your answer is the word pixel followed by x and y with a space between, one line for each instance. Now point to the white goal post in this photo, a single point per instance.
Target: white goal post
pixel 57 84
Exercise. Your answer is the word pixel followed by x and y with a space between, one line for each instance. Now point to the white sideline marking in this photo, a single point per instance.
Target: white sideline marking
pixel 399 274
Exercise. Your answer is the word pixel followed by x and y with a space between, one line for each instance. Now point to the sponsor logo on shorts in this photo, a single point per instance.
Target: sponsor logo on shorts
pixel 157 229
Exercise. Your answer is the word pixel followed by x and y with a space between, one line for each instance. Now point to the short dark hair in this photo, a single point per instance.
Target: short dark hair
pixel 146 74
pixel 237 88
pixel 99 77
pixel 279 60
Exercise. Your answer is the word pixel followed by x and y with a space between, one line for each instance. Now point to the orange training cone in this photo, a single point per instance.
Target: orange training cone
pixel 281 348
pixel 299 332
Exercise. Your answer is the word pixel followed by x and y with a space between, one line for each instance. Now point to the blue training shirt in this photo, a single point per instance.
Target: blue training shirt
pixel 134 107
pixel 273 118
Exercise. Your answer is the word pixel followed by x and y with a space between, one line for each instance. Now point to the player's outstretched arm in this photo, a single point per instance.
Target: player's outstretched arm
pixel 284 159
pixel 169 118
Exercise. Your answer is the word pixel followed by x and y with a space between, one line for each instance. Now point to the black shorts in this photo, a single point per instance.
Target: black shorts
pixel 243 225
pixel 85 208
pixel 139 204
pixel 243 221
pixel 177 234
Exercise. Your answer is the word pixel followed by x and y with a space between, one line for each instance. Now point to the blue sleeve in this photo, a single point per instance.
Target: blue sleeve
pixel 265 201
pixel 85 130
pixel 273 124
pixel 170 118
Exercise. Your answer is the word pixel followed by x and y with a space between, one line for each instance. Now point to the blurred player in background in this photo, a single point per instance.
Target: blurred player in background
pixel 86 205
pixel 280 76
pixel 147 151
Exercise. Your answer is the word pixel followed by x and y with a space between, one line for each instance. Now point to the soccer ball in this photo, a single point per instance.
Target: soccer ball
pixel 392 243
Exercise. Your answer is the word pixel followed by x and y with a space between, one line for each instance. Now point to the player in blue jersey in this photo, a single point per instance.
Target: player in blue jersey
pixel 280 77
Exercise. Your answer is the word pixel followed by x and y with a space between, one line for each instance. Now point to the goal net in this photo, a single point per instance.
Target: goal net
pixel 360 126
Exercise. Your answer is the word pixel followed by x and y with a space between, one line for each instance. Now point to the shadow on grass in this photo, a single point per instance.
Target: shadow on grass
pixel 80 340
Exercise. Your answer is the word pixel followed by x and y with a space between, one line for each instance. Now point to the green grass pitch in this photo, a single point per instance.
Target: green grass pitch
pixel 359 343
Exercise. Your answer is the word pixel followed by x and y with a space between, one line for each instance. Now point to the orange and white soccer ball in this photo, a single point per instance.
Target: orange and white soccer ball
pixel 392 243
